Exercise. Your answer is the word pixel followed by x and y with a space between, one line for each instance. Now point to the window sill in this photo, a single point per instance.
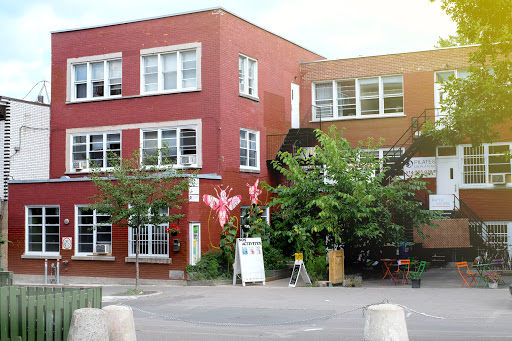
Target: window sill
pixel 252 98
pixel 349 118
pixel 29 256
pixel 249 170
pixel 106 170
pixel 149 260
pixel 486 186
pixel 95 257
pixel 134 96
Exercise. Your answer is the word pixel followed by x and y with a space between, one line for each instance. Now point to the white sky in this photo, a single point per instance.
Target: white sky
pixel 332 28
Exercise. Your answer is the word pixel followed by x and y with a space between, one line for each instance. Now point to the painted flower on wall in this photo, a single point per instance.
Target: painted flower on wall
pixel 254 191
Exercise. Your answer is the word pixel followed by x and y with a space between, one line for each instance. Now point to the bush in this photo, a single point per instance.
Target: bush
pixel 273 257
pixel 212 265
pixel 318 268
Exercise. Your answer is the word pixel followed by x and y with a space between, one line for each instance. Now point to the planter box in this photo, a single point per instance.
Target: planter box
pixel 416 282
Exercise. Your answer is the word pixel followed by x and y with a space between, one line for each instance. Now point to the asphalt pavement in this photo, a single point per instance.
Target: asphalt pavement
pixel 440 310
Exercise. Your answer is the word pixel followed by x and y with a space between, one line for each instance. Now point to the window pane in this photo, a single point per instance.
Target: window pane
pixel 369 87
pixel 170 66
pixel 81 90
pixel 443 76
pixel 370 106
pixel 97 72
pixel 392 85
pixel 115 76
pixel 81 72
pixel 241 73
pixel 393 105
pixel 188 141
pixel 323 100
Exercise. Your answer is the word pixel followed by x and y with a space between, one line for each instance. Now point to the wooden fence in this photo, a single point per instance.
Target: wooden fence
pixel 42 313
pixel 5 278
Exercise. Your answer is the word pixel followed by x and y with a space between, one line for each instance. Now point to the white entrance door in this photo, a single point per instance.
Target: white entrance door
pixel 448 176
pixel 194 242
pixel 295 106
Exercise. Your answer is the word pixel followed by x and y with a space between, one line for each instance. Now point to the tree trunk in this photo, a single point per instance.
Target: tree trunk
pixel 137 237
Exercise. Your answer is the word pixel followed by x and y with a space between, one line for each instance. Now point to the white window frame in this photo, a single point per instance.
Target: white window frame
pixel 243 209
pixel 178 50
pixel 95 215
pixel 106 59
pixel 329 112
pixel 483 168
pixel 505 233
pixel 438 84
pixel 147 232
pixel 43 230
pixel 88 151
pixel 244 76
pixel 178 147
pixel 246 167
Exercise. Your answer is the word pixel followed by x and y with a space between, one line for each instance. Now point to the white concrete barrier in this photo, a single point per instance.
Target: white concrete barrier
pixel 385 322
pixel 88 324
pixel 121 326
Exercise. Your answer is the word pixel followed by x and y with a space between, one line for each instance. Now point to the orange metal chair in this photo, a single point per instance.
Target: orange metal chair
pixel 402 273
pixel 467 274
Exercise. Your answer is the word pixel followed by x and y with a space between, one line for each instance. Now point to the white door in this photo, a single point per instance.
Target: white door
pixel 194 242
pixel 448 176
pixel 295 106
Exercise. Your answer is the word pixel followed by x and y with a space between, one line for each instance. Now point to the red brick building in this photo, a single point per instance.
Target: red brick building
pixel 208 85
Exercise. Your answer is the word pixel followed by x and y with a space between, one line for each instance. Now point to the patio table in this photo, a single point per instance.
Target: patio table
pixel 386 263
pixel 481 269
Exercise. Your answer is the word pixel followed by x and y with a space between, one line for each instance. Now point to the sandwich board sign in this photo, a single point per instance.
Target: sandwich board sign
pixel 249 260
pixel 299 268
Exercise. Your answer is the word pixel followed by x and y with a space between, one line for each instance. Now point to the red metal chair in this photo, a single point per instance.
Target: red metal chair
pixel 467 274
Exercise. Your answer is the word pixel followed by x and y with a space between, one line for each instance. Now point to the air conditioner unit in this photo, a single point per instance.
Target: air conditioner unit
pixel 103 248
pixel 498 179
pixel 79 165
pixel 187 159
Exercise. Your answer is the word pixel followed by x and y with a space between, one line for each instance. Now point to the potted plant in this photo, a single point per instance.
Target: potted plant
pixel 173 230
pixel 492 278
pixel 415 279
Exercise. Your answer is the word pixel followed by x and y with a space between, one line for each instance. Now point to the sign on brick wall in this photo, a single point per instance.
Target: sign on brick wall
pixel 417 166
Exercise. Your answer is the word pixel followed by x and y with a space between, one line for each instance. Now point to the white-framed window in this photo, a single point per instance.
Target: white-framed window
pixel 154 240
pixel 248 75
pixel 498 233
pixel 486 164
pixel 249 149
pixel 97 79
pixel 244 209
pixel 358 98
pixel 440 78
pixel 173 145
pixel 391 154
pixel 42 230
pixel 89 149
pixel 169 71
pixel 92 229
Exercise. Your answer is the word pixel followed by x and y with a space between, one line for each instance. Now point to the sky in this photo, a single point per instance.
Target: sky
pixel 332 28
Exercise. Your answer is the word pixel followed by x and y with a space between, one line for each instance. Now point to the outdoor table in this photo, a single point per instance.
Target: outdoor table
pixel 481 269
pixel 385 267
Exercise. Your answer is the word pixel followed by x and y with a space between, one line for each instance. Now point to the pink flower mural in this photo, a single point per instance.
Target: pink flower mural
pixel 254 191
pixel 222 204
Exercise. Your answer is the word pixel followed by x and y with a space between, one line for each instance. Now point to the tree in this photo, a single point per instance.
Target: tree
pixel 134 195
pixel 478 106
pixel 338 196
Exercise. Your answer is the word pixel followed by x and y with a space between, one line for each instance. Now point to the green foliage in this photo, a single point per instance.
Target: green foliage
pixel 211 266
pixel 455 40
pixel 318 268
pixel 479 105
pixel 337 198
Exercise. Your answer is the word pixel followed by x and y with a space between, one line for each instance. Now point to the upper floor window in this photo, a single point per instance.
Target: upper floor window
pixel 356 98
pixel 94 149
pixel 168 72
pixel 166 146
pixel 248 75
pixel 249 149
pixel 42 229
pixel 97 79
pixel 92 229
pixel 486 164
pixel 440 78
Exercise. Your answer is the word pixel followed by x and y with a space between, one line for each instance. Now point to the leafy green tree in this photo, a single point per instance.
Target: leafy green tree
pixel 134 195
pixel 479 105
pixel 338 196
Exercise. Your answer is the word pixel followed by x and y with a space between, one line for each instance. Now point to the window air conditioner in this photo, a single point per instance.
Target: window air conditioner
pixel 498 179
pixel 103 248
pixel 187 159
pixel 79 165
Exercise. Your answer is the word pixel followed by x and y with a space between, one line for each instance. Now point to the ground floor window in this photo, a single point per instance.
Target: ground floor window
pixel 94 233
pixel 154 241
pixel 42 229
pixel 265 216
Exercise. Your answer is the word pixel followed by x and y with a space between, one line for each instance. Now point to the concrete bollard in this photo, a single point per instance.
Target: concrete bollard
pixel 121 326
pixel 88 324
pixel 385 322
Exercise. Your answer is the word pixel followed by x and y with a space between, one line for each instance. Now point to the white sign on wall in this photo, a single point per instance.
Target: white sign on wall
pixel 193 190
pixel 67 243
pixel 249 260
pixel 417 166
pixel 441 202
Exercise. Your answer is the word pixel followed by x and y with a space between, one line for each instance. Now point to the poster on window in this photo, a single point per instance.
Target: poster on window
pixel 249 260
pixel 417 166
